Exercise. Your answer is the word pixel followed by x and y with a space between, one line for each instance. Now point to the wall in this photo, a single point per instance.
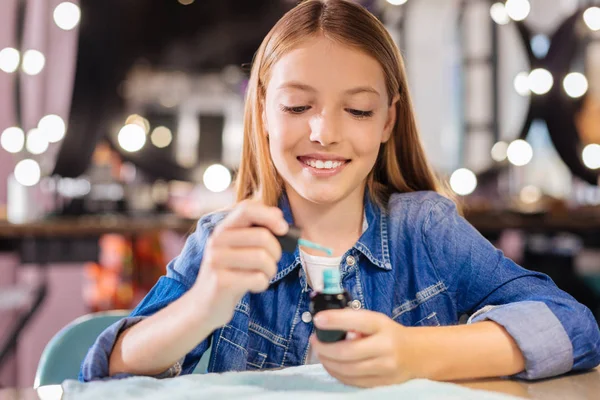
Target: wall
pixel 63 303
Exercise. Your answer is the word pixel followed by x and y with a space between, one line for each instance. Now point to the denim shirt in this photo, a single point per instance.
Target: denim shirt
pixel 418 262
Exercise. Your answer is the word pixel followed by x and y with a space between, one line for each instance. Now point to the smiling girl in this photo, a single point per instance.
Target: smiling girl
pixel 331 145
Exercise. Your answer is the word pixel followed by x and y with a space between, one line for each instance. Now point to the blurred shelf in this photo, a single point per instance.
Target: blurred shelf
pixel 94 226
pixel 75 239
pixel 578 221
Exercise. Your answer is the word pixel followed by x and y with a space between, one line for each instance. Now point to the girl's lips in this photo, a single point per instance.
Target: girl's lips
pixel 322 157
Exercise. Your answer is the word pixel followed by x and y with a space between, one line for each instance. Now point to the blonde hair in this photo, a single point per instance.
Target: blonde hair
pixel 401 165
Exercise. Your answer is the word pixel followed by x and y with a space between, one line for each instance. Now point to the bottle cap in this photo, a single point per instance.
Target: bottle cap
pixel 332 281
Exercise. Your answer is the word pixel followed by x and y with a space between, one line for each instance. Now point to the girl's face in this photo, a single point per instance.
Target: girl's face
pixel 326 116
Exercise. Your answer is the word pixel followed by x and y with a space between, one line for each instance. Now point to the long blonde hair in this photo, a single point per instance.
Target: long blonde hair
pixel 401 165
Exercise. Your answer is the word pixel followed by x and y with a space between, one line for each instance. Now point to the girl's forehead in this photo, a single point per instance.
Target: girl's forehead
pixel 322 62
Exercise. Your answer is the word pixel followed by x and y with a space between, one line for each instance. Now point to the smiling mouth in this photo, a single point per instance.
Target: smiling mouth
pixel 322 164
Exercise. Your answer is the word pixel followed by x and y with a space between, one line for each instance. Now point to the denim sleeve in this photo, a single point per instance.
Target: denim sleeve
pixel 181 275
pixel 555 333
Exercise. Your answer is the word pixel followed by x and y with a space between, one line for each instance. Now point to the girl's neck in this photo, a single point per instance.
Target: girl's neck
pixel 337 226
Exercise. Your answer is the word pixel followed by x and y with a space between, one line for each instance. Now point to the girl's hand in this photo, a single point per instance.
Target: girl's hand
pixel 379 355
pixel 240 256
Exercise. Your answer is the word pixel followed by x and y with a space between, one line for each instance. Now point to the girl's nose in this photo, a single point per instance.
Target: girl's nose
pixel 324 128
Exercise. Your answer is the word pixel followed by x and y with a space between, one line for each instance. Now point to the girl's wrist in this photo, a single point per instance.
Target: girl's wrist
pixel 200 313
pixel 418 348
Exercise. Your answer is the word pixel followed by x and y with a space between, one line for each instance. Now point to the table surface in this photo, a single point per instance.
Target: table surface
pixel 581 386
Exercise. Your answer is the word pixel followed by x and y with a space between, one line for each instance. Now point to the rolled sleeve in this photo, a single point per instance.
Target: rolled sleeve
pixel 95 366
pixel 539 315
pixel 541 337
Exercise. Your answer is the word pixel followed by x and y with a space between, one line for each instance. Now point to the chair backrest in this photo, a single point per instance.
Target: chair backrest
pixel 64 353
pixel 62 356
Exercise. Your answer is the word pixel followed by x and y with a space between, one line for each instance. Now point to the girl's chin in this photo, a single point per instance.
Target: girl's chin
pixel 322 195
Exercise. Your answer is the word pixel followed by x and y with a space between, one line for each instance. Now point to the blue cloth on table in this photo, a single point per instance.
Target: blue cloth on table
pixel 303 382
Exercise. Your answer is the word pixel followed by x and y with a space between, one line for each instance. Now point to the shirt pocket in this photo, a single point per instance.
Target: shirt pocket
pixel 256 359
pixel 430 320
pixel 239 345
pixel 266 349
pixel 231 348
pixel 422 309
pixel 263 347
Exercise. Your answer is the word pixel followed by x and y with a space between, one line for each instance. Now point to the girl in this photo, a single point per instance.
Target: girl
pixel 331 145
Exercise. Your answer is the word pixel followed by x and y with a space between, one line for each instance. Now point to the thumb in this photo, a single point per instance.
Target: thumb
pixel 364 322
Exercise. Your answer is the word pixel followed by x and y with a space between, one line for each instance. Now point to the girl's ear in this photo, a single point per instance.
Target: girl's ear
pixel 391 120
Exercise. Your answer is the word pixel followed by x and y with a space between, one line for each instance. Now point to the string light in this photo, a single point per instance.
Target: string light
pixel 463 181
pixel 33 62
pixel 9 59
pixel 12 139
pixel 161 137
pixel 27 172
pixel 521 84
pixel 498 14
pixel 53 127
pixel 138 120
pixel 540 81
pixel 530 194
pixel 575 84
pixel 131 138
pixel 217 178
pixel 519 152
pixel 36 142
pixel 591 156
pixel 518 10
pixel 499 151
pixel 591 17
pixel 67 15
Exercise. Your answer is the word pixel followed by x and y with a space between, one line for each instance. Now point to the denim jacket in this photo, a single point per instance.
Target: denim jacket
pixel 418 262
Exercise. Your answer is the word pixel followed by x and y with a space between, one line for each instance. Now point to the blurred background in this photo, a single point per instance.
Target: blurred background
pixel 121 124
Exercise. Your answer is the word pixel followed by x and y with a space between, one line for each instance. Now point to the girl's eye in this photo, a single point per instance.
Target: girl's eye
pixel 360 113
pixel 294 110
pixel 300 109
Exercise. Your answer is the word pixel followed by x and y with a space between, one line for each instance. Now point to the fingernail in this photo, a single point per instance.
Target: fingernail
pixel 284 226
pixel 320 320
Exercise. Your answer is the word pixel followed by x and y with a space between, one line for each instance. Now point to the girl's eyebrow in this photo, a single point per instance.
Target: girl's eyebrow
pixel 297 85
pixel 308 88
pixel 362 89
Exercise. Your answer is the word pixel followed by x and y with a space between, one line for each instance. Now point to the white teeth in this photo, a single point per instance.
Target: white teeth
pixel 320 164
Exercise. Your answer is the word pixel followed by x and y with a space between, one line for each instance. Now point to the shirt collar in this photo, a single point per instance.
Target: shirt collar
pixel 373 243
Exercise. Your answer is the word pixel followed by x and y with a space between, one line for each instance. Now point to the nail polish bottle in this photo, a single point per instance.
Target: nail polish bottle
pixel 333 297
